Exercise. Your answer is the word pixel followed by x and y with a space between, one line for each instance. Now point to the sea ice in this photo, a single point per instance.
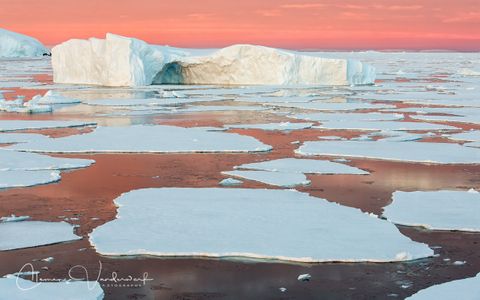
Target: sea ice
pixel 465 289
pixel 13 125
pixel 383 125
pixel 437 210
pixel 138 63
pixel 14 287
pixel 26 234
pixel 22 161
pixel 286 126
pixel 14 218
pixel 14 179
pixel 441 153
pixel 348 117
pixel 253 223
pixel 145 138
pixel 331 105
pixel 281 179
pixel 14 44
pixel 230 182
pixel 306 166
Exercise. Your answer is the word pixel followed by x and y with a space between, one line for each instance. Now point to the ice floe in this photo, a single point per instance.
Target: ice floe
pixel 306 166
pixel 14 287
pixel 465 289
pixel 281 179
pixel 383 125
pixel 144 138
pixel 286 126
pixel 14 218
pixel 26 234
pixel 138 63
pixel 14 44
pixel 22 161
pixel 438 210
pixel 13 179
pixel 441 153
pixel 253 223
pixel 13 125
pixel 348 117
pixel 230 182
pixel 331 105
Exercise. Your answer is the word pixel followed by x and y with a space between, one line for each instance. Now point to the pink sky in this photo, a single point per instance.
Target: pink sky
pixel 301 24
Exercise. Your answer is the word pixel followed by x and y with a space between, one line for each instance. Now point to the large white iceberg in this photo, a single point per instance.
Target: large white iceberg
pixel 14 44
pixel 123 61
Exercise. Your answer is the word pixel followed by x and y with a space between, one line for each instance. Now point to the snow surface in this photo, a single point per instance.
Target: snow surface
pixel 441 153
pixel 26 234
pixel 13 125
pixel 272 126
pixel 438 210
pixel 138 63
pixel 465 289
pixel 13 179
pixel 145 138
pixel 281 179
pixel 285 225
pixel 14 44
pixel 13 287
pixel 306 166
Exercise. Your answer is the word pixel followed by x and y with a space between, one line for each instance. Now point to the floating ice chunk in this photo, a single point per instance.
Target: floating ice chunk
pixel 52 98
pixel 304 277
pixel 465 289
pixel 441 153
pixel 21 161
pixel 207 108
pixel 332 105
pixel 472 135
pixel 13 287
pixel 149 102
pixel 16 235
pixel 438 210
pixel 137 64
pixel 13 125
pixel 256 223
pixel 230 182
pixel 470 118
pixel 144 138
pixel 19 106
pixel 14 218
pixel 383 125
pixel 307 166
pixel 8 138
pixel 459 263
pixel 348 117
pixel 13 179
pixel 468 72
pixel 272 178
pixel 272 126
pixel 14 44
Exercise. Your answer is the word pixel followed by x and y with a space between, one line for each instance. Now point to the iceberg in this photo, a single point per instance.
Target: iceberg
pixel 123 61
pixel 14 44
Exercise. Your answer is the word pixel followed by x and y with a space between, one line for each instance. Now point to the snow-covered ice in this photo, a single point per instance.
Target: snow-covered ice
pixel 281 179
pixel 348 117
pixel 22 161
pixel 331 105
pixel 26 234
pixel 13 287
pixel 383 125
pixel 138 63
pixel 438 210
pixel 306 166
pixel 145 138
pixel 14 44
pixel 286 225
pixel 285 126
pixel 465 289
pixel 441 153
pixel 13 179
pixel 13 125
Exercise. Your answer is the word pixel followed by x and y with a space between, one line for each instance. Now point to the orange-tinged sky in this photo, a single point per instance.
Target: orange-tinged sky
pixel 301 24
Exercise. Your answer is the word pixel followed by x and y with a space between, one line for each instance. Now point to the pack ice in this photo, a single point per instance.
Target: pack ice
pixel 14 44
pixel 123 61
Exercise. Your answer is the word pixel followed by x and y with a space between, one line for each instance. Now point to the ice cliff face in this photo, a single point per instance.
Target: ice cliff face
pixel 13 44
pixel 121 61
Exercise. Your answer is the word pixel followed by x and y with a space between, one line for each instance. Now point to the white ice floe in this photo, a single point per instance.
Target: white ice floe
pixel 230 182
pixel 22 161
pixel 438 210
pixel 331 105
pixel 13 125
pixel 14 179
pixel 26 234
pixel 254 223
pixel 19 106
pixel 13 287
pixel 286 126
pixel 383 125
pixel 472 135
pixel 14 218
pixel 306 166
pixel 441 153
pixel 281 179
pixel 149 102
pixel 52 98
pixel 138 63
pixel 465 289
pixel 144 138
pixel 7 138
pixel 348 117
pixel 14 44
